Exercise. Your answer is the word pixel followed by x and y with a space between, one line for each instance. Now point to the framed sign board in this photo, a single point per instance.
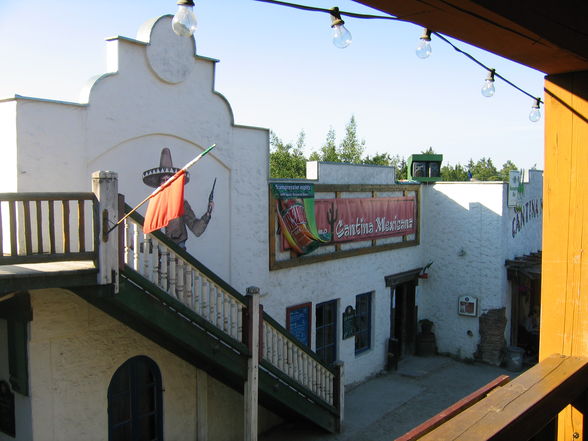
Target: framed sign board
pixel 468 305
pixel 298 322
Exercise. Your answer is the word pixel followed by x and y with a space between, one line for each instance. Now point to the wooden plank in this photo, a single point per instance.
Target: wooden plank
pixel 39 211
pixel 52 245
pixel 65 226
pixel 27 228
pixel 12 223
pixel 453 410
pixel 40 258
pixel 564 324
pixel 81 227
pixel 35 196
pixel 521 408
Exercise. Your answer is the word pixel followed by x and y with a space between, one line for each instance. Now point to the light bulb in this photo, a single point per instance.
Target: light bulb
pixel 488 87
pixel 341 36
pixel 184 22
pixel 535 114
pixel 424 49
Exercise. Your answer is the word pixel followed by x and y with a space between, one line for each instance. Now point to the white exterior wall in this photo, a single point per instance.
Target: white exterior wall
pixel 8 165
pixel 527 238
pixel 467 235
pixel 343 279
pixel 156 95
pixel 74 351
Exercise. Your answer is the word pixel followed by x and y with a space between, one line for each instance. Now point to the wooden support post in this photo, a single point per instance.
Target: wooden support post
pixel 251 385
pixel 105 187
pixel 339 393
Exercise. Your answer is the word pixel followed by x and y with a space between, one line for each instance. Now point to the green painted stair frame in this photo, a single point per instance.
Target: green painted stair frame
pixel 179 313
pixel 187 317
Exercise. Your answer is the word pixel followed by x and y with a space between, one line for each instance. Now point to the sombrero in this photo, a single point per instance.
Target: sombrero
pixel 152 177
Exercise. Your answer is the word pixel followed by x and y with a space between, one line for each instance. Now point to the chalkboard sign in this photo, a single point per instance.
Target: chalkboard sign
pixel 7 419
pixel 298 320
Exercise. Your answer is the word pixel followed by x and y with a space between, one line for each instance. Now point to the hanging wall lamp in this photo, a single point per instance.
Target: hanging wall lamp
pixel 184 22
pixel 341 36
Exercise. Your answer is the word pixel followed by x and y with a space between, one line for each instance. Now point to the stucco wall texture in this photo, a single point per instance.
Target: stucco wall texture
pixel 467 234
pixel 74 351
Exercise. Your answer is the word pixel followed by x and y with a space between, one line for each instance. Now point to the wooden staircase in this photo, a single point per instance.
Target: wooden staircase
pixel 167 295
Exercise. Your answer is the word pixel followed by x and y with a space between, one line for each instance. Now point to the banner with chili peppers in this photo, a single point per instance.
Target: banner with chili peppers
pixel 295 211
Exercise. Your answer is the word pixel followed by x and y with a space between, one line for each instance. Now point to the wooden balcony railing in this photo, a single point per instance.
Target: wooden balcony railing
pixel 185 279
pixel 48 227
pixel 523 409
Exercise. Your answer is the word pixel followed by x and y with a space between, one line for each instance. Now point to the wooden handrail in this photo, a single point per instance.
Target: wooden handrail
pixel 179 274
pixel 522 408
pixel 32 219
pixel 456 408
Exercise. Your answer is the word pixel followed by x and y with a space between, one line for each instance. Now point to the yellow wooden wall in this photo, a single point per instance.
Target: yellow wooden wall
pixel 564 303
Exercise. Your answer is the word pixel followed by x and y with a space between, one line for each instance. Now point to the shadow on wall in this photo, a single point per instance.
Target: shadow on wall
pixel 468 280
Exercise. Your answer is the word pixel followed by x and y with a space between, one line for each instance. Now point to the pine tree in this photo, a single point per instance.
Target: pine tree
pixel 351 148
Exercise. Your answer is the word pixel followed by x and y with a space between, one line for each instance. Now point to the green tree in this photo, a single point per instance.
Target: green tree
pixel 378 159
pixel 455 173
pixel 429 151
pixel 328 151
pixel 401 167
pixel 484 170
pixel 286 160
pixel 505 171
pixel 351 148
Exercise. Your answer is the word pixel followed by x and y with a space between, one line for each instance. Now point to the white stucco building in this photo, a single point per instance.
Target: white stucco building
pixel 158 93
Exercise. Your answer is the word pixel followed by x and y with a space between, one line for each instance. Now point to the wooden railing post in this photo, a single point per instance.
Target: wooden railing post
pixel 251 386
pixel 339 392
pixel 105 187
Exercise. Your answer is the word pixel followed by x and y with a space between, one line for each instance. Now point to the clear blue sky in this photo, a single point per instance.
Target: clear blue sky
pixel 279 69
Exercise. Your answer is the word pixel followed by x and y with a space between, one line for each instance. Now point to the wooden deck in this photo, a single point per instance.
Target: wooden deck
pixel 524 408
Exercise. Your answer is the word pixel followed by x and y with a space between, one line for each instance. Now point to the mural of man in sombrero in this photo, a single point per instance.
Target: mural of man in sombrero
pixel 177 229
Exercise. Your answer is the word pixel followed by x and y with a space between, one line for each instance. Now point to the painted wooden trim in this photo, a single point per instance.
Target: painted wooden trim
pixel 40 196
pixel 42 258
pixel 288 382
pixel 165 298
pixel 43 280
pixel 340 255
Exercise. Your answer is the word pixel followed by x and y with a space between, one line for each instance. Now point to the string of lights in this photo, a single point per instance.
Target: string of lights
pixel 184 24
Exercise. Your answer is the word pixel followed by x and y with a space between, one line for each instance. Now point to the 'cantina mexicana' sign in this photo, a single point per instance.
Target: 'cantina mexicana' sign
pixel 349 220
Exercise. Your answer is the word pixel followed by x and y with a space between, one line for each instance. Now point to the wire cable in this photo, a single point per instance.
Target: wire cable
pixel 438 35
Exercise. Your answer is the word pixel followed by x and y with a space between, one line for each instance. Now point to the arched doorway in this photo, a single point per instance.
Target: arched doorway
pixel 135 402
